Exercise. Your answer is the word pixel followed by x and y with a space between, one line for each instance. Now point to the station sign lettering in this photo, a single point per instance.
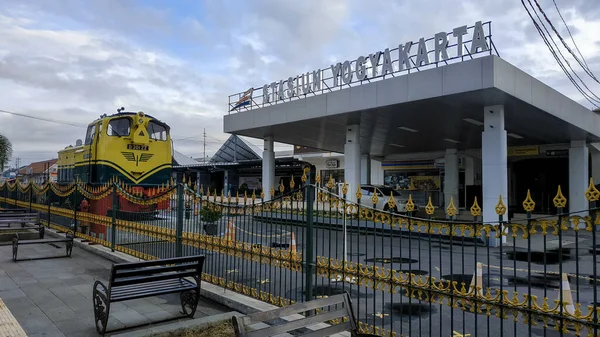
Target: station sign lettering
pixel 380 63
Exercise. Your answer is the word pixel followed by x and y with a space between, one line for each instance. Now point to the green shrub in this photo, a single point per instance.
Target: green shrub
pixel 209 214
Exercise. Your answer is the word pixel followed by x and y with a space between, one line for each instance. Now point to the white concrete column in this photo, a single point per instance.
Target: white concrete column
pixel 579 178
pixel 365 169
pixel 493 164
pixel 595 154
pixel 268 167
pixel 352 160
pixel 376 172
pixel 451 178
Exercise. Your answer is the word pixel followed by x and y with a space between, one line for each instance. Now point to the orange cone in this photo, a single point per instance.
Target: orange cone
pixel 293 244
pixel 566 294
pixel 478 279
pixel 230 232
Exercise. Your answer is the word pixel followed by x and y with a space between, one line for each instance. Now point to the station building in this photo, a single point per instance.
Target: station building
pixel 444 117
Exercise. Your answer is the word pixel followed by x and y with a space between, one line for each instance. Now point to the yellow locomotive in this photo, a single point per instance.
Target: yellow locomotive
pixel 134 147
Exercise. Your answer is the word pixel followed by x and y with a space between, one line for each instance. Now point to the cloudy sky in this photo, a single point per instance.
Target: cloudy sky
pixel 73 60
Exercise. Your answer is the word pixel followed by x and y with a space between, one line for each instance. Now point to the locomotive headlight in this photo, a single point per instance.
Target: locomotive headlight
pixel 140 121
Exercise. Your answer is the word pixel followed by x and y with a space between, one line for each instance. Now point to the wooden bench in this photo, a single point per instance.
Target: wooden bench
pixel 134 280
pixel 27 221
pixel 68 240
pixel 240 324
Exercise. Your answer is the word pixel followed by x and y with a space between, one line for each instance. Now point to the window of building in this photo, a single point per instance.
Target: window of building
pixel 157 131
pixel 119 127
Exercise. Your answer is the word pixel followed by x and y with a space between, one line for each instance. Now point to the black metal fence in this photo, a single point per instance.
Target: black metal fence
pixel 406 275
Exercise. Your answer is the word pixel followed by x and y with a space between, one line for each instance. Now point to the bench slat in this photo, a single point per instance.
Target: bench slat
pixel 330 330
pixel 153 285
pixel 177 260
pixel 154 270
pixel 304 322
pixel 292 309
pixel 146 279
pixel 31 242
pixel 150 292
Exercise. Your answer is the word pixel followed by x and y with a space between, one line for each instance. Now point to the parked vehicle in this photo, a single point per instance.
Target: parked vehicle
pixel 384 193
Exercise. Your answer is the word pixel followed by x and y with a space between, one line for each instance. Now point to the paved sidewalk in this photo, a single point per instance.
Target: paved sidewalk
pixel 53 297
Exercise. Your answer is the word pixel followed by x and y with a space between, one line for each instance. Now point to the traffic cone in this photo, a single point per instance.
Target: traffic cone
pixel 230 232
pixel 479 275
pixel 293 244
pixel 566 294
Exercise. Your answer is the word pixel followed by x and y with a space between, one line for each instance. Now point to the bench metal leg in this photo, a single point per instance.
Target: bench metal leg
pixel 101 307
pixel 15 246
pixel 69 247
pixel 189 302
pixel 41 230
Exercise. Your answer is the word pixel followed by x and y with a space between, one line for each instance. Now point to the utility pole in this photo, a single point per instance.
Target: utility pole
pixel 17 162
pixel 204 154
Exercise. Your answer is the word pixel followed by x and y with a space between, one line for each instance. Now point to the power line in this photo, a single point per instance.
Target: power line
pixel 569 31
pixel 545 39
pixel 42 118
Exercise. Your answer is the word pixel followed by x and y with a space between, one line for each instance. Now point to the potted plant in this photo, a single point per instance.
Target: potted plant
pixel 210 216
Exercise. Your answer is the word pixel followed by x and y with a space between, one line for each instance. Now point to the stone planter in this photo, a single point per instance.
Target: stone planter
pixel 211 228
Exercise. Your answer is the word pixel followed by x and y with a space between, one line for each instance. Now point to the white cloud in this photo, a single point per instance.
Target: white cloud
pixel 75 60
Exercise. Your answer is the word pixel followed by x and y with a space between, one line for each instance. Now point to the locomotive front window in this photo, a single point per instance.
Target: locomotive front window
pixel 89 135
pixel 157 131
pixel 119 127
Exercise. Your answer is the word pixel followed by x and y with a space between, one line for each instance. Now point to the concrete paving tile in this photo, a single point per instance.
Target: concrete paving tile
pixel 60 313
pixel 6 283
pixel 9 294
pixel 85 290
pixel 158 316
pixel 130 317
pixel 78 302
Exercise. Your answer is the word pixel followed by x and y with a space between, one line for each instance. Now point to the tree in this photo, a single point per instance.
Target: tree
pixel 5 151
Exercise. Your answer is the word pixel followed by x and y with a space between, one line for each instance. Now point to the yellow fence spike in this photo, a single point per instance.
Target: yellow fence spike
pixel 429 209
pixel 559 200
pixel 331 182
pixel 451 209
pixel 281 187
pixel 345 188
pixel 304 176
pixel 391 201
pixel 500 207
pixel 374 199
pixel 318 179
pixel 358 193
pixel 475 208
pixel 272 192
pixel 184 181
pixel 245 196
pixel 592 193
pixel 410 205
pixel 262 194
pixel 528 203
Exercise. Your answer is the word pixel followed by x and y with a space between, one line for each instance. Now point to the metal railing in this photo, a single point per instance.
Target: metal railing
pixel 406 275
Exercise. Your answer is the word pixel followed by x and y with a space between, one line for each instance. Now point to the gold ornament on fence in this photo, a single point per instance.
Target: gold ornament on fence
pixel 318 179
pixel 345 188
pixel 358 193
pixel 331 182
pixel 272 192
pixel 262 194
pixel 528 204
pixel 410 205
pixel 592 193
pixel 475 209
pixel 374 198
pixel 429 209
pixel 451 209
pixel 500 207
pixel 292 183
pixel 304 176
pixel 391 201
pixel 281 187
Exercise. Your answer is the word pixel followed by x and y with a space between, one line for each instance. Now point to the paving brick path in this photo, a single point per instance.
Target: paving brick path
pixel 53 297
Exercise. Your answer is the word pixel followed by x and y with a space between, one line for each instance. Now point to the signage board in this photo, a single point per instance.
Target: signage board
pixel 461 43
pixel 332 163
pixel 556 153
pixel 523 151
